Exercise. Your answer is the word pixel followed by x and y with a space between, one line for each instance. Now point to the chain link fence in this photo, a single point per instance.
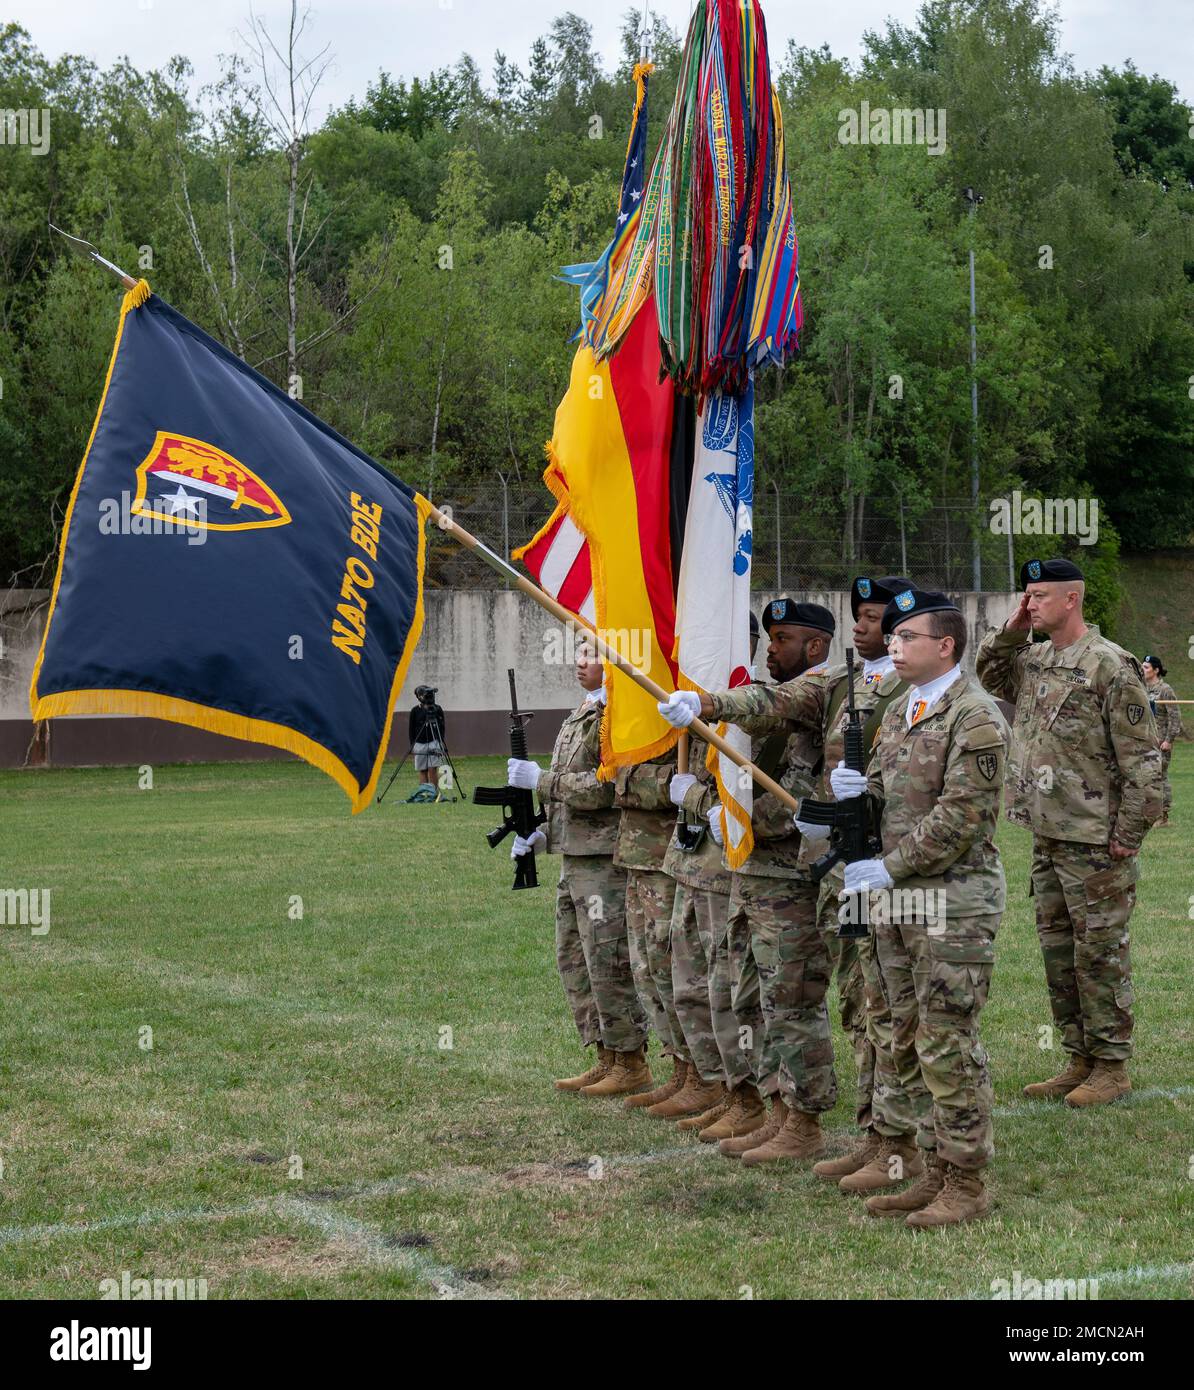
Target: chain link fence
pixel 800 543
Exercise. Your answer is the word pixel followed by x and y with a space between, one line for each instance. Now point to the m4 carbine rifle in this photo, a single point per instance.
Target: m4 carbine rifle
pixel 853 824
pixel 518 804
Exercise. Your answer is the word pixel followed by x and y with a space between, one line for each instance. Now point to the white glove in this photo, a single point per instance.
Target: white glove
pixel 534 841
pixel 680 708
pixel 866 874
pixel 846 783
pixel 524 774
pixel 713 816
pixel 812 832
pixel 679 784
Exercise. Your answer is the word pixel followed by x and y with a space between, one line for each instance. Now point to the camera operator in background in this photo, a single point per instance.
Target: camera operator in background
pixel 427 735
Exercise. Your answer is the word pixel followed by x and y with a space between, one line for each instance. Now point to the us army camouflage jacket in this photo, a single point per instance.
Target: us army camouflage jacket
pixel 940 783
pixel 702 867
pixel 648 815
pixel 1085 763
pixel 762 710
pixel 1168 717
pixel 581 818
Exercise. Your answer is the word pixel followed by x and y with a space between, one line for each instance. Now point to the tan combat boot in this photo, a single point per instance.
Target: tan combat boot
pixel 858 1157
pixel 752 1139
pixel 894 1160
pixel 962 1198
pixel 693 1098
pixel 745 1114
pixel 669 1087
pixel 605 1060
pixel 1077 1069
pixel 922 1192
pixel 1106 1082
pixel 707 1117
pixel 629 1072
pixel 800 1138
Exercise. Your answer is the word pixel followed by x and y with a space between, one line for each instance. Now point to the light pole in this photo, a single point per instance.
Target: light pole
pixel 973 199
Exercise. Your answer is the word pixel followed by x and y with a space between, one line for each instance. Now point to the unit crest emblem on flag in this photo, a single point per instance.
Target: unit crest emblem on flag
pixel 195 484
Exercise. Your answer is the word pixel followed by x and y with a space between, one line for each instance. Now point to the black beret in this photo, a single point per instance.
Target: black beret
pixel 911 603
pixel 1036 571
pixel 1156 663
pixel 867 590
pixel 787 610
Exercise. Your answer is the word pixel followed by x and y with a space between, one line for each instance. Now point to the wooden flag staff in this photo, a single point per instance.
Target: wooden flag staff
pixel 606 652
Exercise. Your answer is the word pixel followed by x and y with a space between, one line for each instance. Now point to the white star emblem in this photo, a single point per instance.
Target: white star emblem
pixel 636 193
pixel 182 501
pixel 622 217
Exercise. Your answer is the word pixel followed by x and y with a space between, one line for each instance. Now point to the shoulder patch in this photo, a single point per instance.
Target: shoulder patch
pixel 979 731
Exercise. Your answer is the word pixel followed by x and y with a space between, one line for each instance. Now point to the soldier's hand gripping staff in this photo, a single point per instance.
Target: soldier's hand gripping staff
pixel 1085 775
pixel 773 897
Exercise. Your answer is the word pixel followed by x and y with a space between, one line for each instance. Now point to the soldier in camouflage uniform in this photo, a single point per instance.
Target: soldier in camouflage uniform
pixel 938 895
pixel 865 1016
pixel 1085 775
pixel 1168 716
pixel 644 833
pixel 702 897
pixel 774 895
pixel 592 951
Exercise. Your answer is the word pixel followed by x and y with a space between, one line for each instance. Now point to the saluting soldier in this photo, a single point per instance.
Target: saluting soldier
pixel 1085 775
pixel 937 773
pixel 773 894
pixel 1168 716
pixel 592 951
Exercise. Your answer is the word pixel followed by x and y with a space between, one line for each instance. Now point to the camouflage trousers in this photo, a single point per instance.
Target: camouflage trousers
pixel 935 981
pixel 1084 899
pixel 593 953
pixel 697 916
pixel 734 1005
pixel 650 895
pixel 866 1020
pixel 1166 755
pixel 791 956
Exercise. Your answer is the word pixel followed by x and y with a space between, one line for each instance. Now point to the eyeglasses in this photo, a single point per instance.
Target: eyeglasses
pixel 893 637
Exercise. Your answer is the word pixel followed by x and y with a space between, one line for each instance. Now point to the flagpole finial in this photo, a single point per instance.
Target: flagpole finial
pixel 89 253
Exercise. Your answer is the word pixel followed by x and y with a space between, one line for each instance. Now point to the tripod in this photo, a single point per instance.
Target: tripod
pixel 437 736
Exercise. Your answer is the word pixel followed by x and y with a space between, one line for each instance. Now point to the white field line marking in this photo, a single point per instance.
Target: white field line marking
pixel 20 1235
pixel 1134 1274
pixel 371 1243
pixel 1040 1107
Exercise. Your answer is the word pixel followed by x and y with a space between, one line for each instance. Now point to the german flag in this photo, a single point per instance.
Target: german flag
pixel 620 462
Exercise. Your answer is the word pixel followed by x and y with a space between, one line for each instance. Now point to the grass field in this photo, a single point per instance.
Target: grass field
pixel 429 1171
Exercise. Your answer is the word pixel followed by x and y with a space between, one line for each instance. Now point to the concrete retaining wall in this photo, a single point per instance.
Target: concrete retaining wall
pixel 471 638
